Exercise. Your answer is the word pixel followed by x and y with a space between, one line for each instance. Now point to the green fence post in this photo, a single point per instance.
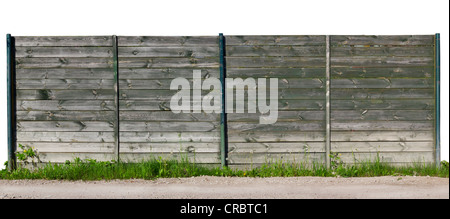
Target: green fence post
pixel 11 96
pixel 223 116
pixel 438 97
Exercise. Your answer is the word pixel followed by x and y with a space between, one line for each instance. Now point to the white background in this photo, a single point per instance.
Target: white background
pixel 209 17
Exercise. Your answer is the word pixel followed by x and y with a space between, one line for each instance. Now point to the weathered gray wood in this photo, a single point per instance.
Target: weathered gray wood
pixel 169 137
pixel 425 51
pixel 45 136
pixel 276 40
pixel 93 73
pixel 276 72
pixel 65 84
pixel 276 127
pixel 165 73
pixel 165 41
pixel 417 72
pixel 166 95
pixel 180 51
pixel 400 136
pixel 413 104
pixel 169 126
pixel 358 147
pixel 382 83
pixel 61 147
pixel 400 40
pixel 181 147
pixel 63 157
pixel 382 115
pixel 64 62
pixel 287 136
pixel 275 62
pixel 82 52
pixel 65 115
pixel 164 84
pixel 166 116
pixel 267 158
pixel 279 147
pixel 392 93
pixel 383 125
pixel 65 105
pixel 291 105
pixel 208 62
pixel 263 51
pixel 63 41
pixel 81 126
pixel 286 116
pixel 198 158
pixel 382 61
pixel 45 94
pixel 388 157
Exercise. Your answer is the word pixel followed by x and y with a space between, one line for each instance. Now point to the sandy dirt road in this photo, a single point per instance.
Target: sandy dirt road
pixel 233 188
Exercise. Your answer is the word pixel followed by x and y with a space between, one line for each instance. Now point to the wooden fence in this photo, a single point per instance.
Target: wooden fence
pixel 105 97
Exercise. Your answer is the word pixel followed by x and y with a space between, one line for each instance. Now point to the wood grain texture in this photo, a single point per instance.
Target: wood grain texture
pixel 169 62
pixel 374 94
pixel 275 40
pixel 284 51
pixel 64 62
pixel 60 147
pixel 383 115
pixel 382 83
pixel 198 158
pixel 276 127
pixel 169 137
pixel 166 73
pixel 276 72
pixel 81 52
pixel 65 115
pixel 268 158
pixel 180 51
pixel 166 41
pixel 382 72
pixel 63 41
pixel 169 126
pixel 286 136
pixel 58 137
pixel 383 135
pixel 414 104
pixel 276 62
pixel 399 40
pixel 64 73
pixel 422 51
pixel 27 105
pixel 382 126
pixel 64 84
pixel 80 126
pixel 65 94
pixel 381 61
pixel 166 116
pixel 375 147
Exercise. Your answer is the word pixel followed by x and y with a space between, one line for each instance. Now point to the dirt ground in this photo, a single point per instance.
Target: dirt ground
pixel 233 188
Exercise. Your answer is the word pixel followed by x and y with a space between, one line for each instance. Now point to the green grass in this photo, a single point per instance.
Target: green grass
pixel 160 168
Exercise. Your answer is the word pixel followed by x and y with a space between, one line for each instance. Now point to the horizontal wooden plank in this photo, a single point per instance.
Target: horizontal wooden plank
pixel 179 51
pixel 66 115
pixel 279 147
pixel 385 115
pixel 417 72
pixel 59 147
pixel 413 104
pixel 276 72
pixel 43 73
pixel 81 126
pixel 276 40
pixel 382 125
pixel 388 157
pixel 392 40
pixel 166 116
pixel 375 147
pixel 81 52
pixel 197 158
pixel 45 94
pixel 164 41
pixel 276 127
pixel 275 62
pixel 287 136
pixel 63 157
pixel 396 136
pixel 287 116
pixel 169 126
pixel 373 94
pixel 45 136
pixel 165 73
pixel 208 62
pixel 422 51
pixel 65 84
pixel 64 62
pixel 268 158
pixel 382 83
pixel 166 95
pixel 169 137
pixel 65 105
pixel 381 61
pixel 284 51
pixel 63 41
pixel 287 105
pixel 181 147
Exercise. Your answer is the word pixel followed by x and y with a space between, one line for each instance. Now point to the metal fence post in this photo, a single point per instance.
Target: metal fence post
pixel 223 116
pixel 11 95
pixel 438 97
pixel 116 99
pixel 328 105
